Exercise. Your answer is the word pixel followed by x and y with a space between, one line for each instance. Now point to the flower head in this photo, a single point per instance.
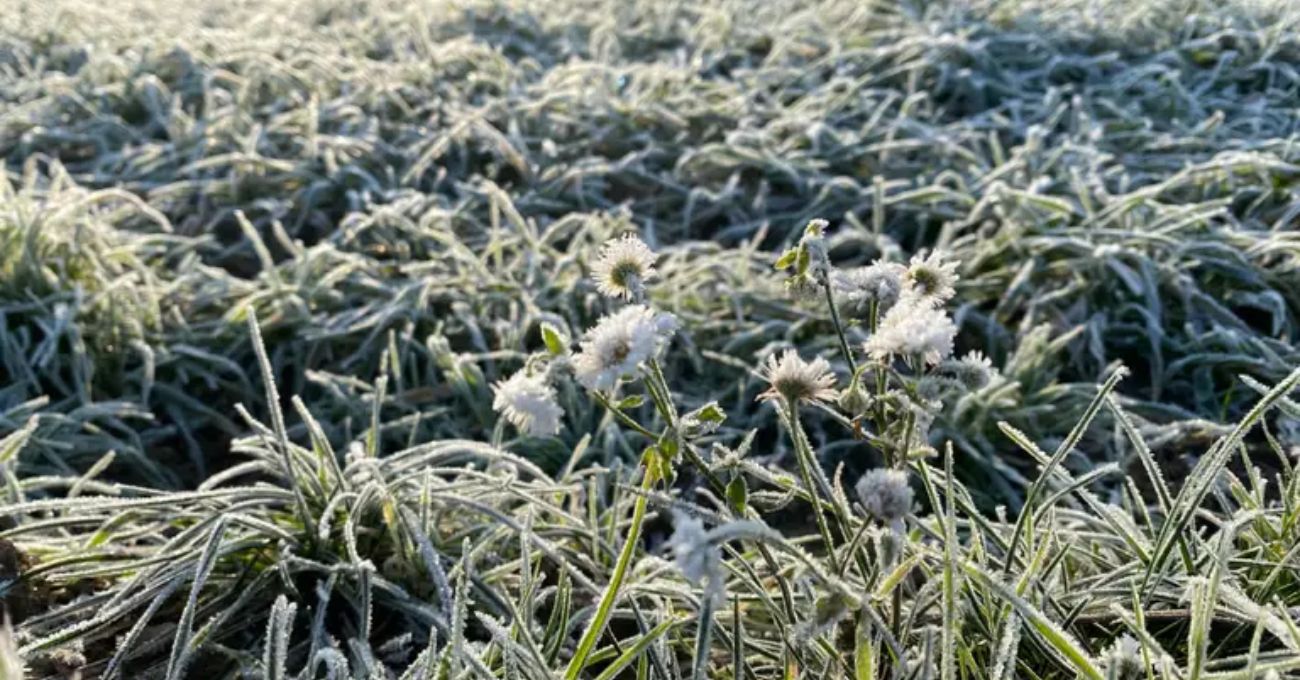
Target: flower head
pixel 624 265
pixel 885 494
pixel 528 402
pixel 932 278
pixel 619 344
pixel 796 380
pixel 974 370
pixel 913 328
pixel 879 282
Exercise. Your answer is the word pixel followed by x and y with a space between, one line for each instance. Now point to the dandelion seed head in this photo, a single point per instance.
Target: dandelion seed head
pixel 624 266
pixel 528 402
pixel 885 493
pixel 795 380
pixel 879 282
pixel 932 278
pixel 912 328
pixel 619 344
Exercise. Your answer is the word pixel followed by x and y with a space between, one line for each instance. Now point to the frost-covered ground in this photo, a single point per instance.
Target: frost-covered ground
pixel 408 201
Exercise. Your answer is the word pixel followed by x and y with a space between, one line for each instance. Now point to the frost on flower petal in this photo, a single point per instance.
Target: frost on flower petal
pixel 880 282
pixel 528 402
pixel 796 380
pixel 624 265
pixel 932 278
pixel 913 328
pixel 619 344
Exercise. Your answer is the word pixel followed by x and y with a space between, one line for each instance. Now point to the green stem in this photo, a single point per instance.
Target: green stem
pixel 803 453
pixel 878 407
pixel 704 630
pixel 663 400
pixel 606 606
pixel 835 319
pixel 620 416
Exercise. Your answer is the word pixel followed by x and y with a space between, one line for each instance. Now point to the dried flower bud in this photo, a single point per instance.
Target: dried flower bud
pixel 885 494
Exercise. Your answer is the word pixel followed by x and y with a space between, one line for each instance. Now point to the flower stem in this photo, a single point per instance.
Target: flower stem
pixel 839 326
pixel 804 455
pixel 878 407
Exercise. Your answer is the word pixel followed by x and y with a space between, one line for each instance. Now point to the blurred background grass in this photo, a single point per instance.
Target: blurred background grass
pixel 412 188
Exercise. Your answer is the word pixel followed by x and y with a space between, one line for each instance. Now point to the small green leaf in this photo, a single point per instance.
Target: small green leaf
pixel 629 402
pixel 787 259
pixel 710 413
pixel 668 446
pixel 738 495
pixel 555 341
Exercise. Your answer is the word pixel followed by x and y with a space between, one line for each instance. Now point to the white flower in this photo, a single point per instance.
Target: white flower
pixel 932 278
pixel 885 494
pixel 796 380
pixel 528 402
pixel 619 344
pixel 624 265
pixel 913 328
pixel 880 282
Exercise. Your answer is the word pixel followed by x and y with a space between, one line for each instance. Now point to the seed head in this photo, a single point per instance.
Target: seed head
pixel 624 266
pixel 528 402
pixel 796 380
pixel 880 282
pixel 619 344
pixel 885 494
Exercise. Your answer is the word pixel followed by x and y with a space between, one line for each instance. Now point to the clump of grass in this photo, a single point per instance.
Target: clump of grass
pixel 453 558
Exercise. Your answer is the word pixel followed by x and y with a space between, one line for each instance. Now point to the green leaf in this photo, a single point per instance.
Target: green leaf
pixel 668 446
pixel 738 495
pixel 555 341
pixel 629 402
pixel 787 259
pixel 709 413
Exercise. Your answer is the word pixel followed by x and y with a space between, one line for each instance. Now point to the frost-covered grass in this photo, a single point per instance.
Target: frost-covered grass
pixel 288 294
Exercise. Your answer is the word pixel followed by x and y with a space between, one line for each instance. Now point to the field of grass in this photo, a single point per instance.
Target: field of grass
pixel 282 281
